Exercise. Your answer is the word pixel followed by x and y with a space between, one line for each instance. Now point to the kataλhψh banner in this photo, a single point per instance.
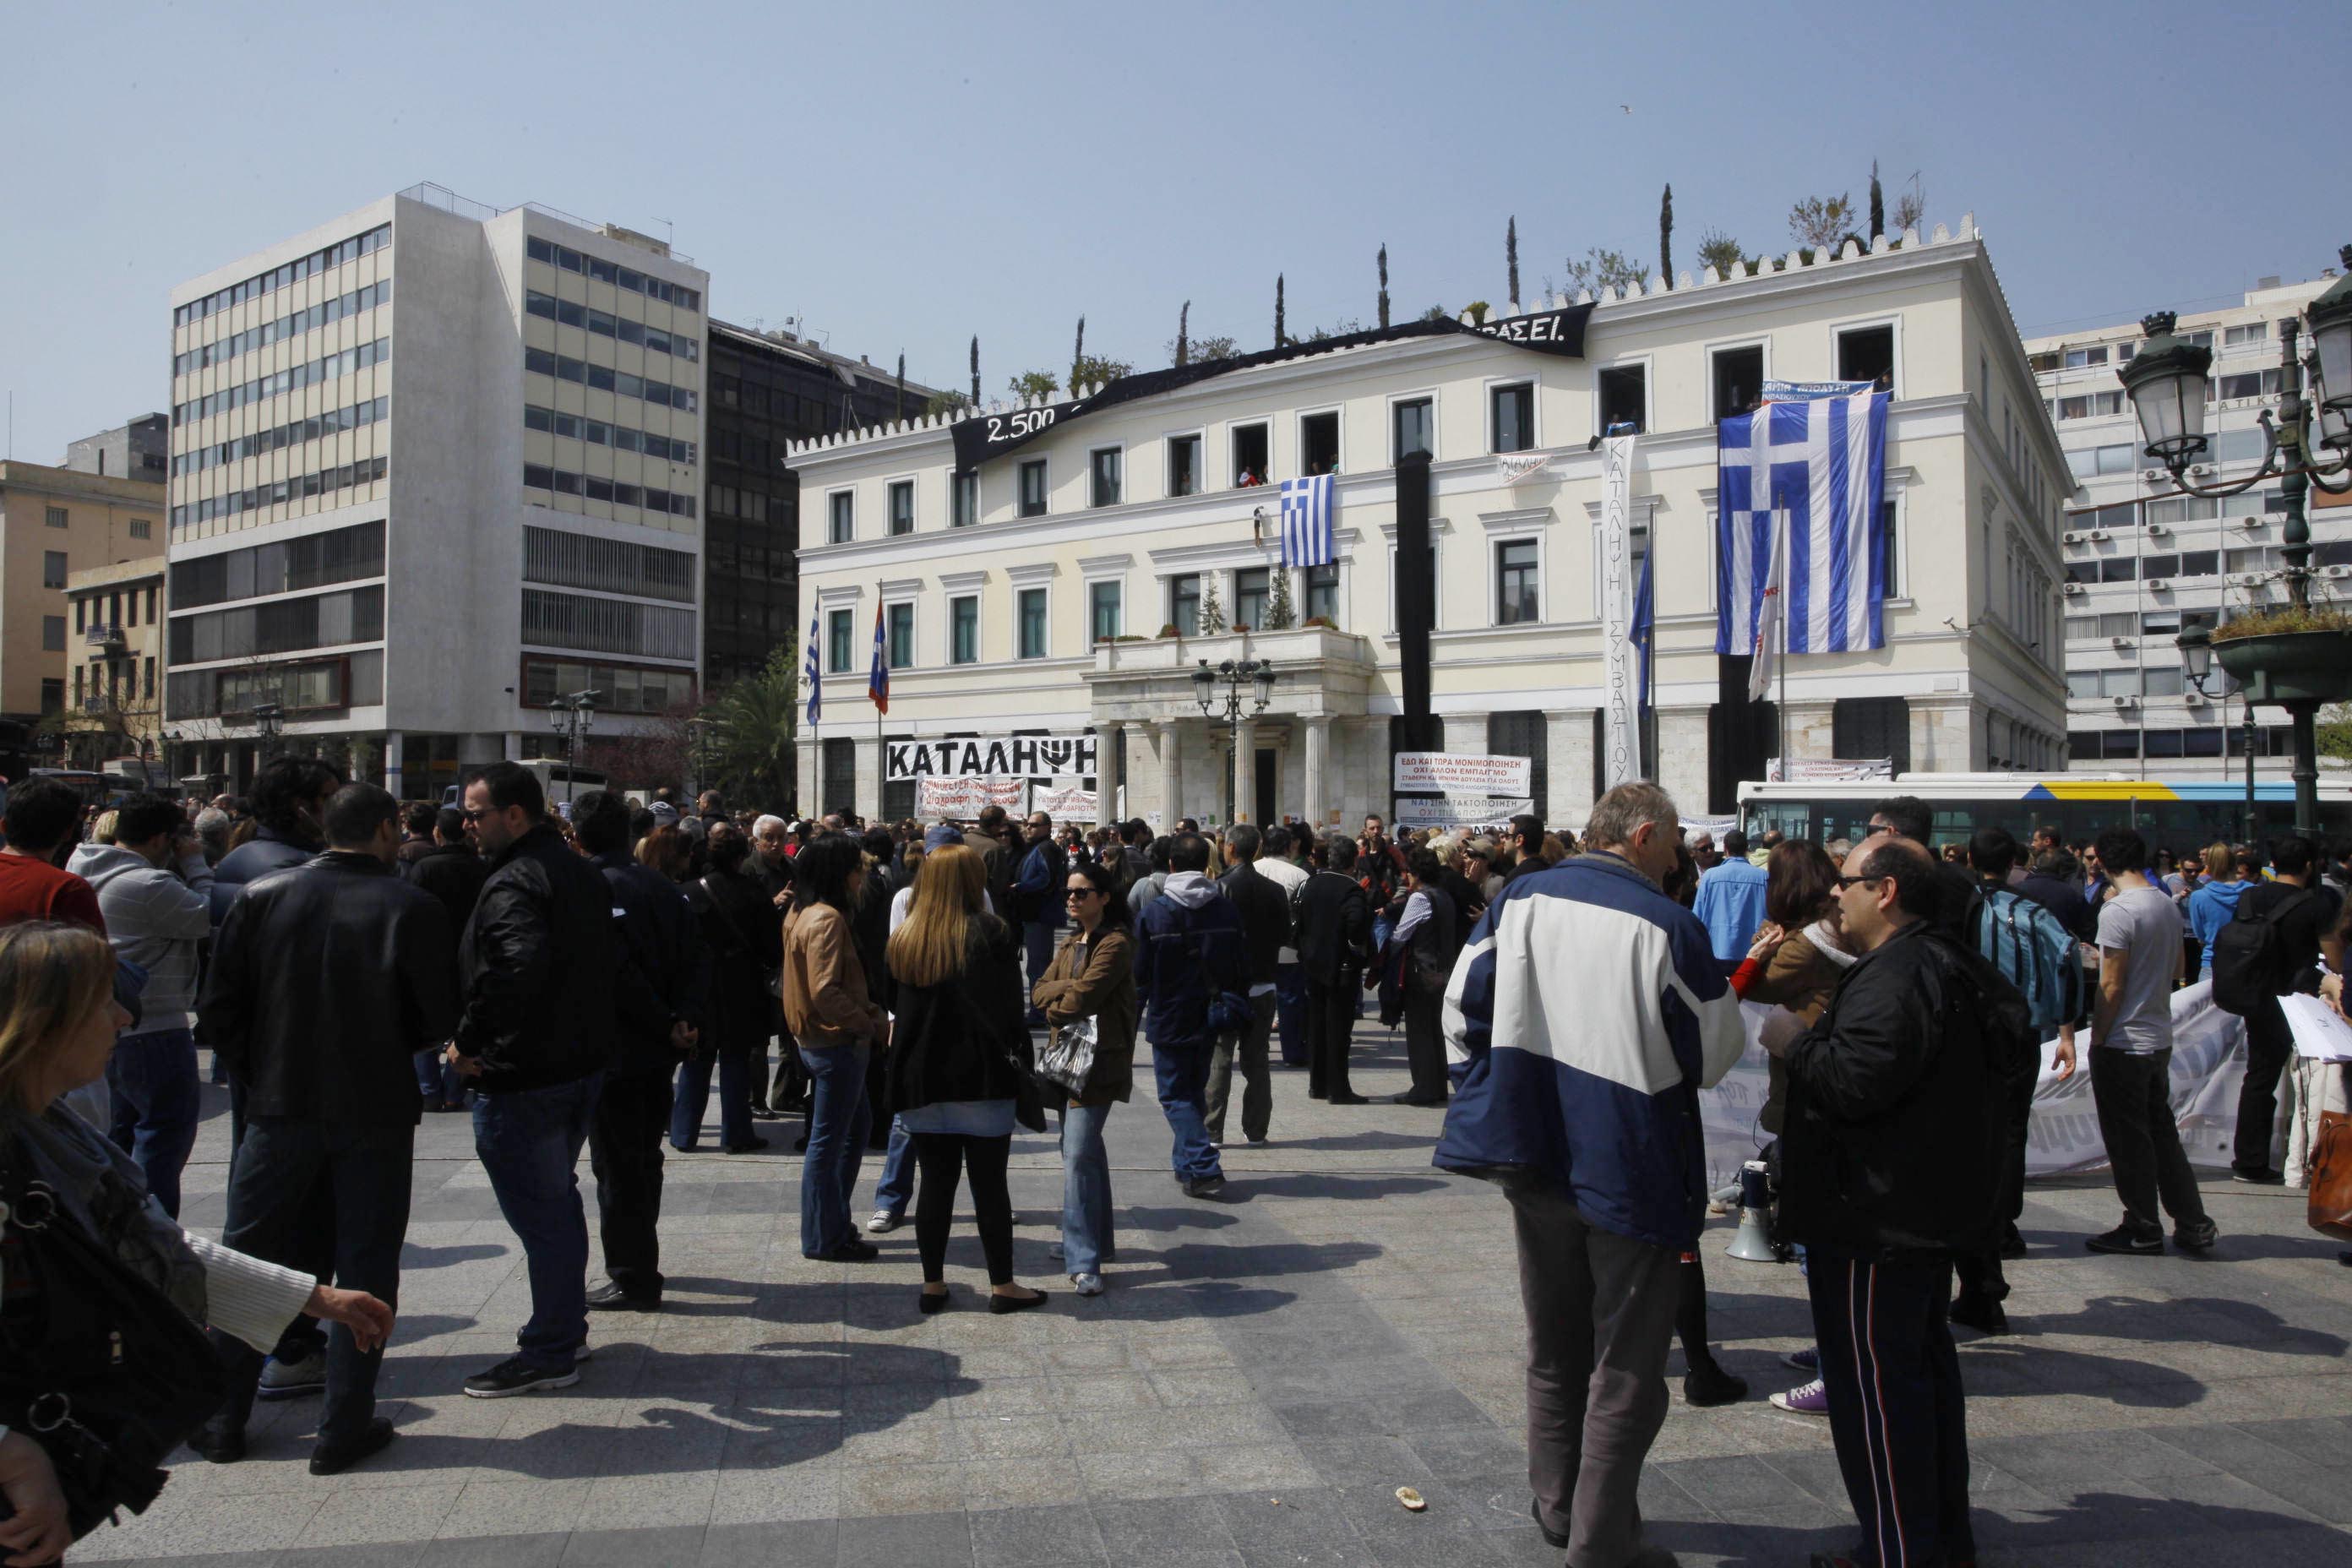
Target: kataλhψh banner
pixel 1621 690
pixel 997 756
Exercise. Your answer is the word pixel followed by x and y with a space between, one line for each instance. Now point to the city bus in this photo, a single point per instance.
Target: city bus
pixel 2180 814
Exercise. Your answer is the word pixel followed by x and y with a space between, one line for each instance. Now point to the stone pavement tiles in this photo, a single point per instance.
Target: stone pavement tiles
pixel 1263 1372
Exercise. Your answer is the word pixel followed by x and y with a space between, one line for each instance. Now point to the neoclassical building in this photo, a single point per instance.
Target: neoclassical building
pixel 1063 569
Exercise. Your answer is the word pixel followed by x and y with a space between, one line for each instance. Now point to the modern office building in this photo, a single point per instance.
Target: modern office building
pixel 433 464
pixel 1055 582
pixel 2144 562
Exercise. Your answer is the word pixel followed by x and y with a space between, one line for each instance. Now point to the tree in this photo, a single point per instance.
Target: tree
pixel 1035 385
pixel 1877 204
pixel 655 754
pixel 975 370
pixel 1435 313
pixel 1093 370
pixel 902 386
pixel 1511 256
pixel 1336 329
pixel 1476 311
pixel 1720 251
pixel 1206 348
pixel 1384 286
pixel 2334 731
pixel 1078 357
pixel 1666 235
pixel 1911 205
pixel 753 724
pixel 1280 616
pixel 1817 223
pixel 1183 338
pixel 1279 339
pixel 945 401
pixel 1601 270
pixel 1211 614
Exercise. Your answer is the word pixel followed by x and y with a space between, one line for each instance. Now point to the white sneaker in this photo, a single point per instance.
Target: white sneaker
pixel 883 1222
pixel 292 1380
pixel 1086 1284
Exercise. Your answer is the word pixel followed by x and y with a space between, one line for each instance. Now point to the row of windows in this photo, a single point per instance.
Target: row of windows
pixel 604 378
pixel 2152 623
pixel 563 482
pixel 619 689
pixel 62 517
pixel 116 609
pixel 295 325
pixel 290 565
pixel 310 375
pixel 350 679
pixel 565 312
pixel 606 566
pixel 2229 741
pixel 293 433
pixel 2199 562
pixel 596 433
pixel 120 674
pixel 606 625
pixel 277 278
pixel 326 481
pixel 752 506
pixel 569 260
pixel 279 625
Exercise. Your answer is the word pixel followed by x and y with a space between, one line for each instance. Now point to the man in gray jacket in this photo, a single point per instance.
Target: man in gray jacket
pixel 156 889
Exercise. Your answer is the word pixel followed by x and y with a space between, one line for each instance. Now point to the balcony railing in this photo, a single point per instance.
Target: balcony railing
pixel 104 636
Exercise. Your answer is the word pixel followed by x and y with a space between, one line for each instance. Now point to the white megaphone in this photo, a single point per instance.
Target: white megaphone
pixel 1753 1242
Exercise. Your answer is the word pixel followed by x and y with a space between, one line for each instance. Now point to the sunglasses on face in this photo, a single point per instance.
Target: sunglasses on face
pixel 475 814
pixel 1081 893
pixel 1845 882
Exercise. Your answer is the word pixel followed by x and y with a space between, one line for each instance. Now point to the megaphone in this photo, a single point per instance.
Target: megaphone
pixel 1753 1242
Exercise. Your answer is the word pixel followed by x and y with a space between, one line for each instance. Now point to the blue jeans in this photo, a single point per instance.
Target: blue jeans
pixel 692 1098
pixel 437 1082
pixel 529 1141
pixel 1290 1013
pixel 1182 1071
pixel 153 1079
pixel 839 1120
pixel 895 1190
pixel 1086 1240
pixel 1038 940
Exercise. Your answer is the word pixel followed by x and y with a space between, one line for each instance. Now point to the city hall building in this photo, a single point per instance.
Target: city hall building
pixel 1060 571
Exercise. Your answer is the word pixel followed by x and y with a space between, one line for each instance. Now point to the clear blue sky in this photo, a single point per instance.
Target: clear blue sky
pixel 903 175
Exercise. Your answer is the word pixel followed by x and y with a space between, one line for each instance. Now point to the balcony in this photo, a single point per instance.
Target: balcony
pixel 105 636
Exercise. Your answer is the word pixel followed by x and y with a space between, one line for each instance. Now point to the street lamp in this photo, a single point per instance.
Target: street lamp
pixel 2197 668
pixel 269 719
pixel 1257 674
pixel 2304 664
pixel 571 717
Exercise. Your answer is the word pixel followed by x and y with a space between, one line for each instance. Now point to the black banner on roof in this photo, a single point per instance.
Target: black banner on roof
pixel 985 436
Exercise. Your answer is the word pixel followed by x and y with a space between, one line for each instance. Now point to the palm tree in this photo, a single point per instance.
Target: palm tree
pixel 755 721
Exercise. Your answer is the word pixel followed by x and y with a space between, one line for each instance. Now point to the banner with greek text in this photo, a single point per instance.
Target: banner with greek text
pixel 1068 804
pixel 1460 810
pixel 1621 690
pixel 961 797
pixel 1445 772
pixel 995 756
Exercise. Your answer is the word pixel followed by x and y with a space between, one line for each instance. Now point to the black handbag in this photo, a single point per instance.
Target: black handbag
pixel 97 1365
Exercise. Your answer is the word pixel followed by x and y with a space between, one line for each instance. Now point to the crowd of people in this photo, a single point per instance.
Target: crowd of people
pixel 585 978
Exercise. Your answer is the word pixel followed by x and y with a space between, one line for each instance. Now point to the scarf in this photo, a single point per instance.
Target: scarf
pixel 100 1189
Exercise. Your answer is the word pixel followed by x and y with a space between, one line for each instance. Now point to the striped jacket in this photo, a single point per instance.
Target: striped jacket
pixel 1582 1020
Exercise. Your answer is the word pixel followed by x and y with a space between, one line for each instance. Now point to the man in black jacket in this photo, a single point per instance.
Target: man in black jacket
pixel 537 959
pixel 1891 1163
pixel 659 994
pixel 1430 933
pixel 1335 930
pixel 1265 930
pixel 452 872
pixel 325 978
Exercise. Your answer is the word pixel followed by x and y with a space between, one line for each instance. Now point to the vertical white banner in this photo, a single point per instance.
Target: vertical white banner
pixel 1621 757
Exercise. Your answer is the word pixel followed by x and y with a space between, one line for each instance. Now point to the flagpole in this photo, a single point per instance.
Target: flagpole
pixel 1780 705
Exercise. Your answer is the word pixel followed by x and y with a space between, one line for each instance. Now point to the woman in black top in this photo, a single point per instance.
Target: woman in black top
pixel 746 944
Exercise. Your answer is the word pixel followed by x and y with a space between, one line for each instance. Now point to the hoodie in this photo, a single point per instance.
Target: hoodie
pixel 154 918
pixel 1189 948
pixel 2210 908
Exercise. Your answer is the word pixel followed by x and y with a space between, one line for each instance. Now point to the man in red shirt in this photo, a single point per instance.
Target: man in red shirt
pixel 42 816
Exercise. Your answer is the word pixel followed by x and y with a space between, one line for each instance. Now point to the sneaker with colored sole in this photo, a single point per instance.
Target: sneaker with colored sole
pixel 1806 1399
pixel 515 1375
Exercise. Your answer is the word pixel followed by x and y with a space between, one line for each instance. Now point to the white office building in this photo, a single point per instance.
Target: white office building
pixel 432 464
pixel 1057 585
pixel 2145 561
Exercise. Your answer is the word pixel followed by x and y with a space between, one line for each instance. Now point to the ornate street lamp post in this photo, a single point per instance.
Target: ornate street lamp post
pixel 571 717
pixel 1257 674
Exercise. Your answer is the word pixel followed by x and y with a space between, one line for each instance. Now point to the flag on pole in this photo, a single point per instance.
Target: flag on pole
pixel 878 682
pixel 1307 534
pixel 1799 491
pixel 1646 624
pixel 1771 619
pixel 812 672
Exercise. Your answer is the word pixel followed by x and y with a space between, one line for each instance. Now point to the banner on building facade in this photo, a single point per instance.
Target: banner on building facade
pixel 1804 391
pixel 961 796
pixel 1621 686
pixel 1518 468
pixel 994 756
pixel 1460 810
pixel 1446 772
pixel 1070 802
pixel 1827 770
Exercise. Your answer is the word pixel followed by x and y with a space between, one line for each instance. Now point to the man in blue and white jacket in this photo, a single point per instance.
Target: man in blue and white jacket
pixel 1582 1019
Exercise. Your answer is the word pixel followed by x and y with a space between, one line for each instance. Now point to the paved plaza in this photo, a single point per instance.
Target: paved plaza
pixel 1265 1372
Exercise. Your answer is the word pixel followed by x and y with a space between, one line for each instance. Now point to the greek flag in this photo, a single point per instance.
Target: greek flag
pixel 811 672
pixel 878 679
pixel 1800 528
pixel 1306 522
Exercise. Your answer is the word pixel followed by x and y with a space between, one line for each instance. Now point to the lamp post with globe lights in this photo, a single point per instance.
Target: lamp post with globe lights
pixel 1234 673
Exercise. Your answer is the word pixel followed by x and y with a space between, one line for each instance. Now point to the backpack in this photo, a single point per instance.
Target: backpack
pixel 2248 969
pixel 2032 951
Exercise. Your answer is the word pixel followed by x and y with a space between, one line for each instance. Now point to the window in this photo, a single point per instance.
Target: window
pixel 964 497
pixel 963 630
pixel 1184 603
pixel 56 517
pixel 2159 566
pixel 1621 393
pixel 141 528
pixel 1866 353
pixel 1318 443
pixel 842 505
pixel 2163 624
pixel 2119 569
pixel 2163 679
pixel 567 559
pixel 2119 515
pixel 2250 383
pixel 1183 465
pixel 2172 511
pixel 902 507
pixel 1104 466
pixel 2090 406
pixel 837 635
pixel 2200 563
pixel 2240 337
pixel 1102 606
pixel 1249 454
pixel 1323 591
pixel 899 636
pixel 1412 428
pixel 1032 488
pixel 53 568
pixel 53 696
pixel 1032 618
pixel 2077 359
pixel 1253 591
pixel 1511 425
pixel 1517 596
pixel 1738 375
pixel 53 634
pixel 840 767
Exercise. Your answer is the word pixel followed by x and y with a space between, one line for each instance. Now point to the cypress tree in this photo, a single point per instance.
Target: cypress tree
pixel 1384 287
pixel 1666 235
pixel 1183 342
pixel 1279 339
pixel 1877 204
pixel 975 370
pixel 1077 355
pixel 1511 256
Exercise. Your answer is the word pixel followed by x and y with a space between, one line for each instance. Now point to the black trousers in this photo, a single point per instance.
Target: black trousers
pixel 942 1158
pixel 624 1152
pixel 2269 1045
pixel 1424 1040
pixel 286 1167
pixel 305 1336
pixel 1980 1272
pixel 2134 1097
pixel 1897 1414
pixel 1330 1021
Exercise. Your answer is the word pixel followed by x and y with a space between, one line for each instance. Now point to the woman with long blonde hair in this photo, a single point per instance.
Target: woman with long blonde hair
pixel 959 1067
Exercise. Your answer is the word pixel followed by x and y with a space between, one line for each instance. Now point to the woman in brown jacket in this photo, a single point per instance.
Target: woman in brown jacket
pixel 835 1026
pixel 1092 976
pixel 1799 956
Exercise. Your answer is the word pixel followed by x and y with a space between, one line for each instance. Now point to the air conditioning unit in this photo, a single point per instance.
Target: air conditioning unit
pixel 2336 572
pixel 2157 531
pixel 2151 476
pixel 2246 579
pixel 2100 536
pixel 2159 585
pixel 2119 642
pixel 2072 536
pixel 2126 700
pixel 2072 590
pixel 2200 471
pixel 2194 698
pixel 2250 522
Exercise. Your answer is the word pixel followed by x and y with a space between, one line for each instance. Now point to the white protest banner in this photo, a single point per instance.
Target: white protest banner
pixel 1445 772
pixel 1070 802
pixel 2319 1034
pixel 1620 755
pixel 1460 810
pixel 962 796
pixel 997 756
pixel 1827 770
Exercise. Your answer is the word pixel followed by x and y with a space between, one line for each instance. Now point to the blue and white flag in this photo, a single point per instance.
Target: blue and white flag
pixel 1646 624
pixel 1307 534
pixel 811 672
pixel 878 679
pixel 1799 488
